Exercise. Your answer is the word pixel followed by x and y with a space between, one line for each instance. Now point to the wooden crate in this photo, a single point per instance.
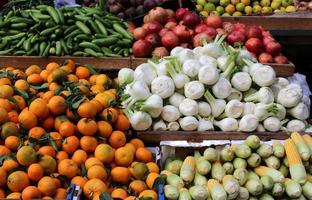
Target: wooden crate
pixel 198 136
pixel 283 70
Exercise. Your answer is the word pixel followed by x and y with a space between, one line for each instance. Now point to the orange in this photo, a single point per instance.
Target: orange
pixel 48 164
pixel 48 123
pixel 79 180
pixel 14 195
pixel 68 168
pixel 34 79
pixel 57 138
pixel 3 115
pixel 88 143
pixel 57 105
pixel 104 153
pixel 97 171
pixel 44 75
pixel 139 170
pixel 79 157
pixel 110 115
pixel 144 155
pixel 93 187
pixel 70 63
pixel 52 66
pixel 131 198
pixel 60 193
pixel 72 78
pixel 117 139
pixel 123 157
pixel 59 120
pixel 61 155
pixel 31 192
pixel 27 119
pixel 22 85
pixel 20 102
pixel 9 129
pixel 6 104
pixel 40 108
pixel 3 177
pixel 104 99
pixel 97 104
pixel 47 150
pixel 71 144
pixel 12 142
pixel 10 165
pixel 59 75
pixel 36 132
pixel 87 126
pixel 122 123
pixel 105 129
pixel 26 156
pixel 96 89
pixel 82 72
pixel 101 79
pixel 4 150
pixel 152 167
pixel 150 179
pixel 119 193
pixel 137 186
pixel 13 116
pixel 17 181
pixel 92 162
pixel 120 175
pixel 87 110
pixel 148 194
pixel 32 69
pixel 35 172
pixel 67 129
pixel 92 79
pixel 47 186
pixel 5 81
pixel 130 147
pixel 6 91
pixel 2 194
pixel 137 143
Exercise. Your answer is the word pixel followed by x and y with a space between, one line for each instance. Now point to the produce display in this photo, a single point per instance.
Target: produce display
pixel 243 7
pixel 75 31
pixel 211 87
pixel 250 170
pixel 163 30
pixel 304 5
pixel 59 126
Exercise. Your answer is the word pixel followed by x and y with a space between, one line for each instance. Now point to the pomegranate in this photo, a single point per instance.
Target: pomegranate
pixel 186 45
pixel 170 25
pixel 214 21
pixel 254 45
pixel 171 19
pixel 253 31
pixel 280 59
pixel 236 36
pixel 228 27
pixel 170 40
pixel 142 49
pixel 170 13
pixel 265 58
pixel 154 39
pixel 267 40
pixel 273 48
pixel 266 33
pixel 131 26
pixel 200 38
pixel 180 13
pixel 191 19
pixel 240 27
pixel 182 32
pixel 220 31
pixel 139 33
pixel 211 32
pixel 163 31
pixel 158 14
pixel 152 27
pixel 200 28
pixel 160 52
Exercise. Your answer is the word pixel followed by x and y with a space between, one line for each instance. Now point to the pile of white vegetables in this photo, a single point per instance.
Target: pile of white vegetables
pixel 209 88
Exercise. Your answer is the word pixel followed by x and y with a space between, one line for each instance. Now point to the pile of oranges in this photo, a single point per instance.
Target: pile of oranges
pixel 60 125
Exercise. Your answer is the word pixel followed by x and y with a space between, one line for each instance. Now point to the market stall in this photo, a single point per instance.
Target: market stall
pixel 152 100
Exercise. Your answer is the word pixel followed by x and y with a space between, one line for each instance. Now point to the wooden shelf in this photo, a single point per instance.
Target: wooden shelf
pixel 300 20
pixel 97 63
pixel 284 70
pixel 196 136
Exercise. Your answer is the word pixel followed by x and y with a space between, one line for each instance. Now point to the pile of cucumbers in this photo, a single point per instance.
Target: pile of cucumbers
pixel 73 31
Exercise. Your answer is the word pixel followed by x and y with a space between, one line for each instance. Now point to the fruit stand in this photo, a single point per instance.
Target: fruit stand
pixel 154 99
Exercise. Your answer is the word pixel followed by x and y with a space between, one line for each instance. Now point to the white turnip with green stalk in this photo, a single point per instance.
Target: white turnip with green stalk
pixel 161 68
pixel 194 90
pixel 176 50
pixel 264 95
pixel 163 86
pixel 208 60
pixel 170 113
pixel 249 108
pixel 222 89
pixel 188 123
pixel 173 126
pixel 205 124
pixel 185 54
pixel 145 72
pixel 174 69
pixel 214 49
pixel 176 99
pixel 272 124
pixel 248 123
pixel 204 109
pixel 135 91
pixel 153 105
pixel 241 81
pixel 263 111
pixel 296 125
pixel 260 128
pixel 278 85
pixel 252 66
pixel 227 124
pixel 280 111
pixel 139 120
pixel 290 96
pixel 191 67
pixel 188 107
pixel 160 125
pixel 125 76
pixel 264 76
pixel 217 105
pixel 235 94
pixel 208 74
pixel 300 111
pixel 233 109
